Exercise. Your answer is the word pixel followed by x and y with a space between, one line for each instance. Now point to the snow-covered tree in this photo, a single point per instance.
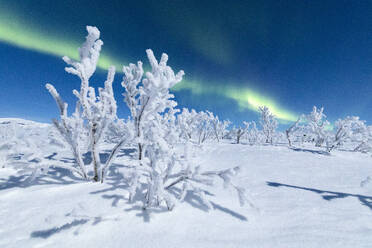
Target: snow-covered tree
pixel 239 132
pixel 204 127
pixel 345 130
pixel 219 127
pixel 162 167
pixel 317 123
pixel 364 139
pixel 268 123
pixel 253 134
pixel 200 126
pixel 223 128
pixel 295 127
pixel 187 121
pixel 92 113
pixel 152 108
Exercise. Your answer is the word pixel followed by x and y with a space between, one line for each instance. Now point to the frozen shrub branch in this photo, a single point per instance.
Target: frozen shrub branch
pixel 161 165
pixel 92 113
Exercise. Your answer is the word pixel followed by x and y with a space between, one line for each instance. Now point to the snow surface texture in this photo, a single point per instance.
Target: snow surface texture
pixel 305 198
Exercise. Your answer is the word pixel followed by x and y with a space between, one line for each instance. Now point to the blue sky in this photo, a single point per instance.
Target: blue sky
pixel 237 55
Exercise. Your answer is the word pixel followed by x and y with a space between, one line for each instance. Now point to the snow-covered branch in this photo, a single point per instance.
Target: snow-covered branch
pixel 93 114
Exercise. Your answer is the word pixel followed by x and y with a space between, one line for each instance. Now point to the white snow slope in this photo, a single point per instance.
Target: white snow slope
pixel 304 199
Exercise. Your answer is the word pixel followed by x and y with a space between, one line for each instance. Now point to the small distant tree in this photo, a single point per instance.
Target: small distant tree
pixel 345 130
pixel 292 129
pixel 268 123
pixel 85 127
pixel 253 133
pixel 317 122
pixel 204 127
pixel 201 126
pixel 223 128
pixel 219 127
pixel 364 139
pixel 239 132
pixel 186 121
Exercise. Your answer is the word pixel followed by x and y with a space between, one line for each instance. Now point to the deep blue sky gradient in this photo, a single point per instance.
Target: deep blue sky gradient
pixel 298 53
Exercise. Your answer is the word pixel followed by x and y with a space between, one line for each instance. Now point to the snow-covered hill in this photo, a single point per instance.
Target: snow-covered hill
pixel 303 198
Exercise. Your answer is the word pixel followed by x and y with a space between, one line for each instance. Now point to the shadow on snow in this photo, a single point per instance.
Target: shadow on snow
pixel 49 232
pixel 310 151
pixel 114 181
pixel 328 195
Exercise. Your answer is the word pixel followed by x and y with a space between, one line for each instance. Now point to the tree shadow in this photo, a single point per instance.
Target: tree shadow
pixel 51 231
pixel 229 211
pixel 81 220
pixel 191 199
pixel 114 179
pixel 55 175
pixel 115 198
pixel 310 151
pixel 328 195
pixel 146 213
pixel 196 202
pixel 59 176
pixel 127 152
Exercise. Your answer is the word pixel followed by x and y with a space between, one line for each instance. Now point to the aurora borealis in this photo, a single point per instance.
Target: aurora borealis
pixel 236 56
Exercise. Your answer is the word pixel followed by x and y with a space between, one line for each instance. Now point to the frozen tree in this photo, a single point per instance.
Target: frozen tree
pixel 219 127
pixel 92 113
pixel 187 121
pixel 223 128
pixel 268 123
pixel 150 95
pixel 317 123
pixel 204 126
pixel 214 120
pixel 152 110
pixel 239 132
pixel 162 168
pixel 364 140
pixel 253 133
pixel 295 127
pixel 201 126
pixel 346 129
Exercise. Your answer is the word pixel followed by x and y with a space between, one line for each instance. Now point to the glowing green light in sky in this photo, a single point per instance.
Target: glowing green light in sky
pixel 14 32
pixel 246 98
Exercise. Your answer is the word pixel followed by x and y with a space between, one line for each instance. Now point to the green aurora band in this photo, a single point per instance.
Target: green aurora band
pixel 16 33
pixel 245 98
